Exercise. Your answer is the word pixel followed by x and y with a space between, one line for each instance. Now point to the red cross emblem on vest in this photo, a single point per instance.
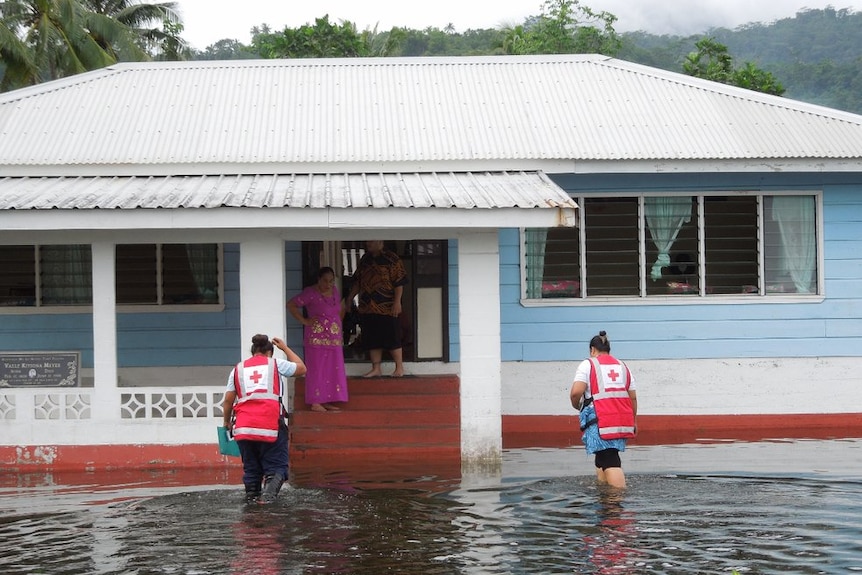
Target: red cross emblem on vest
pixel 255 377
pixel 613 374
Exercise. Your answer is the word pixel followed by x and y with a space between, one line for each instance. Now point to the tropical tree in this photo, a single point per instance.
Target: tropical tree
pixel 564 27
pixel 325 39
pixel 155 26
pixel 226 49
pixel 47 39
pixel 321 40
pixel 711 61
pixel 381 44
pixel 44 40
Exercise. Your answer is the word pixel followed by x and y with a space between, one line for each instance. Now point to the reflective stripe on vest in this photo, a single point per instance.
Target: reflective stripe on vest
pixel 258 406
pixel 614 412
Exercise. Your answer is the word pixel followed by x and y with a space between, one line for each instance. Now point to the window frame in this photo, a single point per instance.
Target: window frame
pixel 158 307
pixel 701 297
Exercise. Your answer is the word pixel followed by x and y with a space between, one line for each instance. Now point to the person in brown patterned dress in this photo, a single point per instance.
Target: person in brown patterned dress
pixel 379 282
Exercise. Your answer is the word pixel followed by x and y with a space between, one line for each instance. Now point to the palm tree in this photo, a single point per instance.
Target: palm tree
pixel 47 39
pixel 44 40
pixel 156 26
pixel 379 44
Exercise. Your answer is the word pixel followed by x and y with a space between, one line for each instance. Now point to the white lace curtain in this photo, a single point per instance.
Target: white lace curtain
pixel 798 251
pixel 665 216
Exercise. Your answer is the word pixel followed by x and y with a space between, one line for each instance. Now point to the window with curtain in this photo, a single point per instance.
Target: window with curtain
pixel 167 274
pixel 149 274
pixel 553 263
pixel 66 275
pixel 707 245
pixel 790 245
pixel 46 275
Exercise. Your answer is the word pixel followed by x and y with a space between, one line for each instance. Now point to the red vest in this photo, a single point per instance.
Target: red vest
pixel 609 388
pixel 258 405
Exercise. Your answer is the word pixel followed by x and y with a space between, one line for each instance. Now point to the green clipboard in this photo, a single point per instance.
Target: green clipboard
pixel 226 444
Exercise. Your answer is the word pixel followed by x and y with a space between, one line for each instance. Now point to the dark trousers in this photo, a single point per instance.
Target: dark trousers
pixel 260 459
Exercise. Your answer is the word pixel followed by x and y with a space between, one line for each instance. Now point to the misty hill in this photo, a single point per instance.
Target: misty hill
pixel 816 55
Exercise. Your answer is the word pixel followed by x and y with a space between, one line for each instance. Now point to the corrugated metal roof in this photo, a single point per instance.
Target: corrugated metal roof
pixel 423 110
pixel 425 190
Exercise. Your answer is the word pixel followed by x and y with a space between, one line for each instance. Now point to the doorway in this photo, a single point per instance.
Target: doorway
pixel 424 320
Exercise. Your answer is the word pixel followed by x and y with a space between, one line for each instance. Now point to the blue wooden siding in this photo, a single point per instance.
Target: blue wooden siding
pixel 49 332
pixel 454 310
pixel 162 339
pixel 143 339
pixel 832 327
pixel 293 285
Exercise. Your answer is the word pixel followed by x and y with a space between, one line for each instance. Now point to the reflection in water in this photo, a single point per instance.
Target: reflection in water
pixel 612 548
pixel 685 524
pixel 259 549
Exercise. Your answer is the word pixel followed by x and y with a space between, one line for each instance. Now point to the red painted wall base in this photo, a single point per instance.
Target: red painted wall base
pixel 563 430
pixel 518 432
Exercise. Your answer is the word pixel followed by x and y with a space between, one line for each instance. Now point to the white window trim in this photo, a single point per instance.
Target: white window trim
pixel 127 308
pixel 701 298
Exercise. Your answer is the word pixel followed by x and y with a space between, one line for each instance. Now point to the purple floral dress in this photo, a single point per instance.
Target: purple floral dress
pixel 323 340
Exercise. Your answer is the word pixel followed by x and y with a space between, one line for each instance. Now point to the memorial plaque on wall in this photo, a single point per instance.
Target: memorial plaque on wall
pixel 40 369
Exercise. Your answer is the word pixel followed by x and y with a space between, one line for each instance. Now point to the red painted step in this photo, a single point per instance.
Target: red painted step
pixel 413 417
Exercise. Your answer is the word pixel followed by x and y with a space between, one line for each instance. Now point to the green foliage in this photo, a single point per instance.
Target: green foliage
pixel 711 61
pixel 44 40
pixel 322 40
pixel 435 42
pixel 753 78
pixel 381 44
pixel 564 27
pixel 226 50
pixel 817 54
pixel 155 28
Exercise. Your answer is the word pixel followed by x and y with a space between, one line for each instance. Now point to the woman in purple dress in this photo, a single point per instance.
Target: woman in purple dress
pixel 325 381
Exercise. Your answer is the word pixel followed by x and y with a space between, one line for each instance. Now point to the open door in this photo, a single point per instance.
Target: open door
pixel 425 303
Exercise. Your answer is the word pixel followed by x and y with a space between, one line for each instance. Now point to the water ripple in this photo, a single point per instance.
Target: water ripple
pixel 669 524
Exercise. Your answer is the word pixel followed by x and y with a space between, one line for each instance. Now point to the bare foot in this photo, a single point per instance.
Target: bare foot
pixel 373 373
pixel 397 374
pixel 330 407
pixel 317 407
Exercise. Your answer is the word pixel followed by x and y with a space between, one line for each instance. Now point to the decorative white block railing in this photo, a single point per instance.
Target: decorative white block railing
pixel 134 403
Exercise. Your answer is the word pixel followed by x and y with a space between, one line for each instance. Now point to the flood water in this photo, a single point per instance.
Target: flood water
pixel 760 508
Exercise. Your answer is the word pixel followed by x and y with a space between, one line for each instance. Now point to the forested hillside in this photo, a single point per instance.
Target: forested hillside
pixel 816 55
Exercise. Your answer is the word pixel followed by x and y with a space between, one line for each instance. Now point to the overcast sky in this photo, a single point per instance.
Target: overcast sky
pixel 207 21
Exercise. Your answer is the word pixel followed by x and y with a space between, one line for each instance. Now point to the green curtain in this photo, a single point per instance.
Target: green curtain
pixel 536 239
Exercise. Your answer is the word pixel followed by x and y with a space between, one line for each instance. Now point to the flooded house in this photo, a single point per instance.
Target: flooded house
pixel 154 216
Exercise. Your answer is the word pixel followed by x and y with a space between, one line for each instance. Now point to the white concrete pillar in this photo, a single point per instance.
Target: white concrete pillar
pixel 106 398
pixel 479 321
pixel 262 291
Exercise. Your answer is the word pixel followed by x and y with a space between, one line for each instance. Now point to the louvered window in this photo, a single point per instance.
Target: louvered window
pixel 678 245
pixel 45 275
pixel 150 274
pixel 166 274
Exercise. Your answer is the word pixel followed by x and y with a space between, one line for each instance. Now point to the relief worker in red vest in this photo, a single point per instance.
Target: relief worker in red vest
pixel 254 413
pixel 604 394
